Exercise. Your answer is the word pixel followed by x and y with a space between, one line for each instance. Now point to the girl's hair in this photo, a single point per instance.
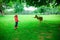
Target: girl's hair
pixel 16 15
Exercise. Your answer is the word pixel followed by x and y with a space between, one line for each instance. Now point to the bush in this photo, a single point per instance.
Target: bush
pixel 48 10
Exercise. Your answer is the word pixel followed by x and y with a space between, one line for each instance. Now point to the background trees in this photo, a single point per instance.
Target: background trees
pixel 18 5
pixel 39 3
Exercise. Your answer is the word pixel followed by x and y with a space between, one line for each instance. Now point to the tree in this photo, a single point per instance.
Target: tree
pixel 39 3
pixel 2 2
pixel 58 2
pixel 18 7
pixel 1 8
pixel 7 3
pixel 36 3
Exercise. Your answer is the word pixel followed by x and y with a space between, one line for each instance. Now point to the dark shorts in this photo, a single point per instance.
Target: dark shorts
pixel 16 24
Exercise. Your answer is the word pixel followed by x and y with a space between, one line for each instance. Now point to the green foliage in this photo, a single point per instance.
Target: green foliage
pixel 49 5
pixel 36 3
pixel 10 4
pixel 18 7
pixel 48 10
pixel 58 2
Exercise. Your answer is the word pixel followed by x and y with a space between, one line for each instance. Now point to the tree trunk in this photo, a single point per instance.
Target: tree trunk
pixel 1 9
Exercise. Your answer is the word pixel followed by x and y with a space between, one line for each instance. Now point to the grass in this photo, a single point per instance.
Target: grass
pixel 29 28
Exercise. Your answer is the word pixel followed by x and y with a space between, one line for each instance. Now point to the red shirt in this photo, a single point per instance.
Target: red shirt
pixel 16 18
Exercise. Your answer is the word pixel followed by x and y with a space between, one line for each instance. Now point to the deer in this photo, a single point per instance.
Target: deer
pixel 39 18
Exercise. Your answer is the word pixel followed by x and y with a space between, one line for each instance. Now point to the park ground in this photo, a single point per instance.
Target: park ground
pixel 29 28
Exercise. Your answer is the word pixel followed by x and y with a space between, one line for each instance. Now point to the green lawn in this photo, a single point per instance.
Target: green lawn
pixel 29 28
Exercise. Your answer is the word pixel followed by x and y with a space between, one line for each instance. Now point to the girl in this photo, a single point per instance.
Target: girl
pixel 16 21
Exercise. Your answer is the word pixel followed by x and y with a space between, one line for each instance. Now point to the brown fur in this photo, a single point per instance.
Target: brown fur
pixel 39 18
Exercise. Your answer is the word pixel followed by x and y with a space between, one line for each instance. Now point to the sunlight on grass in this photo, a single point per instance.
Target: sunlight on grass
pixel 29 28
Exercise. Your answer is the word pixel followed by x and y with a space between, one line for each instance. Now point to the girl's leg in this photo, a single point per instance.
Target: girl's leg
pixel 16 25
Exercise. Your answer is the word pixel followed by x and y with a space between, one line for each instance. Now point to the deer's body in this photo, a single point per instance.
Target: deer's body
pixel 39 18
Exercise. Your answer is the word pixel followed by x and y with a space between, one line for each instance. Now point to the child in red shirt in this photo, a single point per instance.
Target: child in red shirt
pixel 16 21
